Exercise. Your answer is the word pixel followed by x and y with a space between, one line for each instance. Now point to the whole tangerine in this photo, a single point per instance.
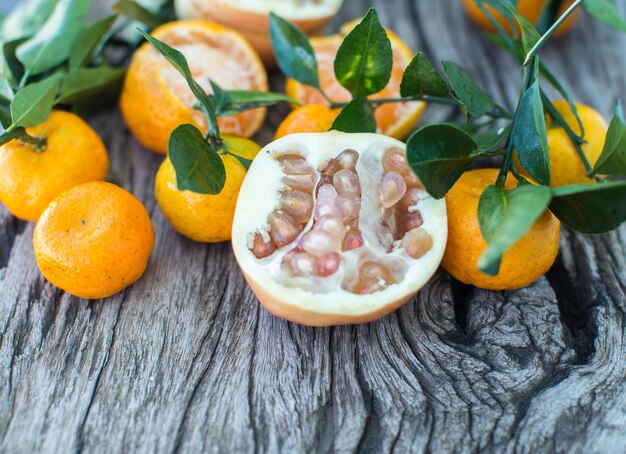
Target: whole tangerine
pixel 30 178
pixel 527 260
pixel 93 240
pixel 205 218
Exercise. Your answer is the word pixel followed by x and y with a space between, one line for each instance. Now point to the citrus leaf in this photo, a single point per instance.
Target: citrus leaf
pixel 364 60
pixel 198 168
pixel 12 67
pixel 52 44
pixel 439 154
pixel 84 83
pixel 612 161
pixel 179 62
pixel 33 103
pixel 26 18
pixel 357 116
pixel 505 216
pixel 530 35
pixel 6 92
pixel 467 91
pixel 529 135
pixel 421 79
pixel 605 12
pixel 87 42
pixel 241 100
pixel 487 140
pixel 294 53
pixel 135 12
pixel 592 208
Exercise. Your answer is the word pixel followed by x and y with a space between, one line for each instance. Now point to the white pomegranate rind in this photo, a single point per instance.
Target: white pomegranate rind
pixel 329 304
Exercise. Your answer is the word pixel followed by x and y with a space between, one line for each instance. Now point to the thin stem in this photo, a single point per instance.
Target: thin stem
pixel 508 152
pixel 38 143
pixel 498 113
pixel 24 80
pixel 535 49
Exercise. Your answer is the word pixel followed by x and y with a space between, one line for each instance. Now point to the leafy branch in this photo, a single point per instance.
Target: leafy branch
pixel 197 157
pixel 440 153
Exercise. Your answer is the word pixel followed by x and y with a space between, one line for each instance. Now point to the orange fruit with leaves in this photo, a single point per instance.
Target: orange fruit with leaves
pixel 93 240
pixel 527 260
pixel 205 218
pixel 31 176
pixel 395 119
pixel 156 98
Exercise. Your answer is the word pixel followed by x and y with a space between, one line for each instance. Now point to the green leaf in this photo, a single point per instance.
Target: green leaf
pixel 421 79
pixel 606 12
pixel 364 60
pixel 12 69
pixel 487 140
pixel 5 113
pixel 33 103
pixel 87 42
pixel 135 12
pixel 198 168
pixel 26 18
pixel 467 91
pixel 294 53
pixel 439 154
pixel 612 161
pixel 551 78
pixel 357 116
pixel 505 216
pixel 592 208
pixel 179 62
pixel 52 44
pixel 6 92
pixel 529 135
pixel 84 83
pixel 530 35
pixel 241 100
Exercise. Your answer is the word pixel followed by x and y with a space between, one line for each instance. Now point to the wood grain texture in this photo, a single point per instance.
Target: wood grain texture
pixel 187 361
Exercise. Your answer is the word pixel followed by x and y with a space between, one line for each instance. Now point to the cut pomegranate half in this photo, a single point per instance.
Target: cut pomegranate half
pixel 334 228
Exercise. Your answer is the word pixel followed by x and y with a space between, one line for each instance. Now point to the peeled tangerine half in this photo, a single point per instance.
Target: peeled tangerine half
pixel 334 228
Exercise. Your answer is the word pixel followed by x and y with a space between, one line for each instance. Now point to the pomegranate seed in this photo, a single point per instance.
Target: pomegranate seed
pixel 297 204
pixel 261 248
pixel 394 161
pixel 294 164
pixel 411 179
pixel 417 242
pixel 368 286
pixel 347 183
pixel 375 271
pixel 328 264
pixel 331 167
pixel 350 208
pixel 283 228
pixel 302 182
pixel 304 265
pixel 347 159
pixel 411 198
pixel 353 239
pixel 413 220
pixel 392 189
pixel 332 225
pixel 318 242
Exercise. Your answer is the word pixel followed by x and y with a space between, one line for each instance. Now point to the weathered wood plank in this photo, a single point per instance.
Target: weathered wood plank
pixel 186 360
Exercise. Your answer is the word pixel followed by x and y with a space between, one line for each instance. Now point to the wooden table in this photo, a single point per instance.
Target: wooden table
pixel 186 359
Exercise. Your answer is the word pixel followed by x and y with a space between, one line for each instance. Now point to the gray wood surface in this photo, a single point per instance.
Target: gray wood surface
pixel 187 361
